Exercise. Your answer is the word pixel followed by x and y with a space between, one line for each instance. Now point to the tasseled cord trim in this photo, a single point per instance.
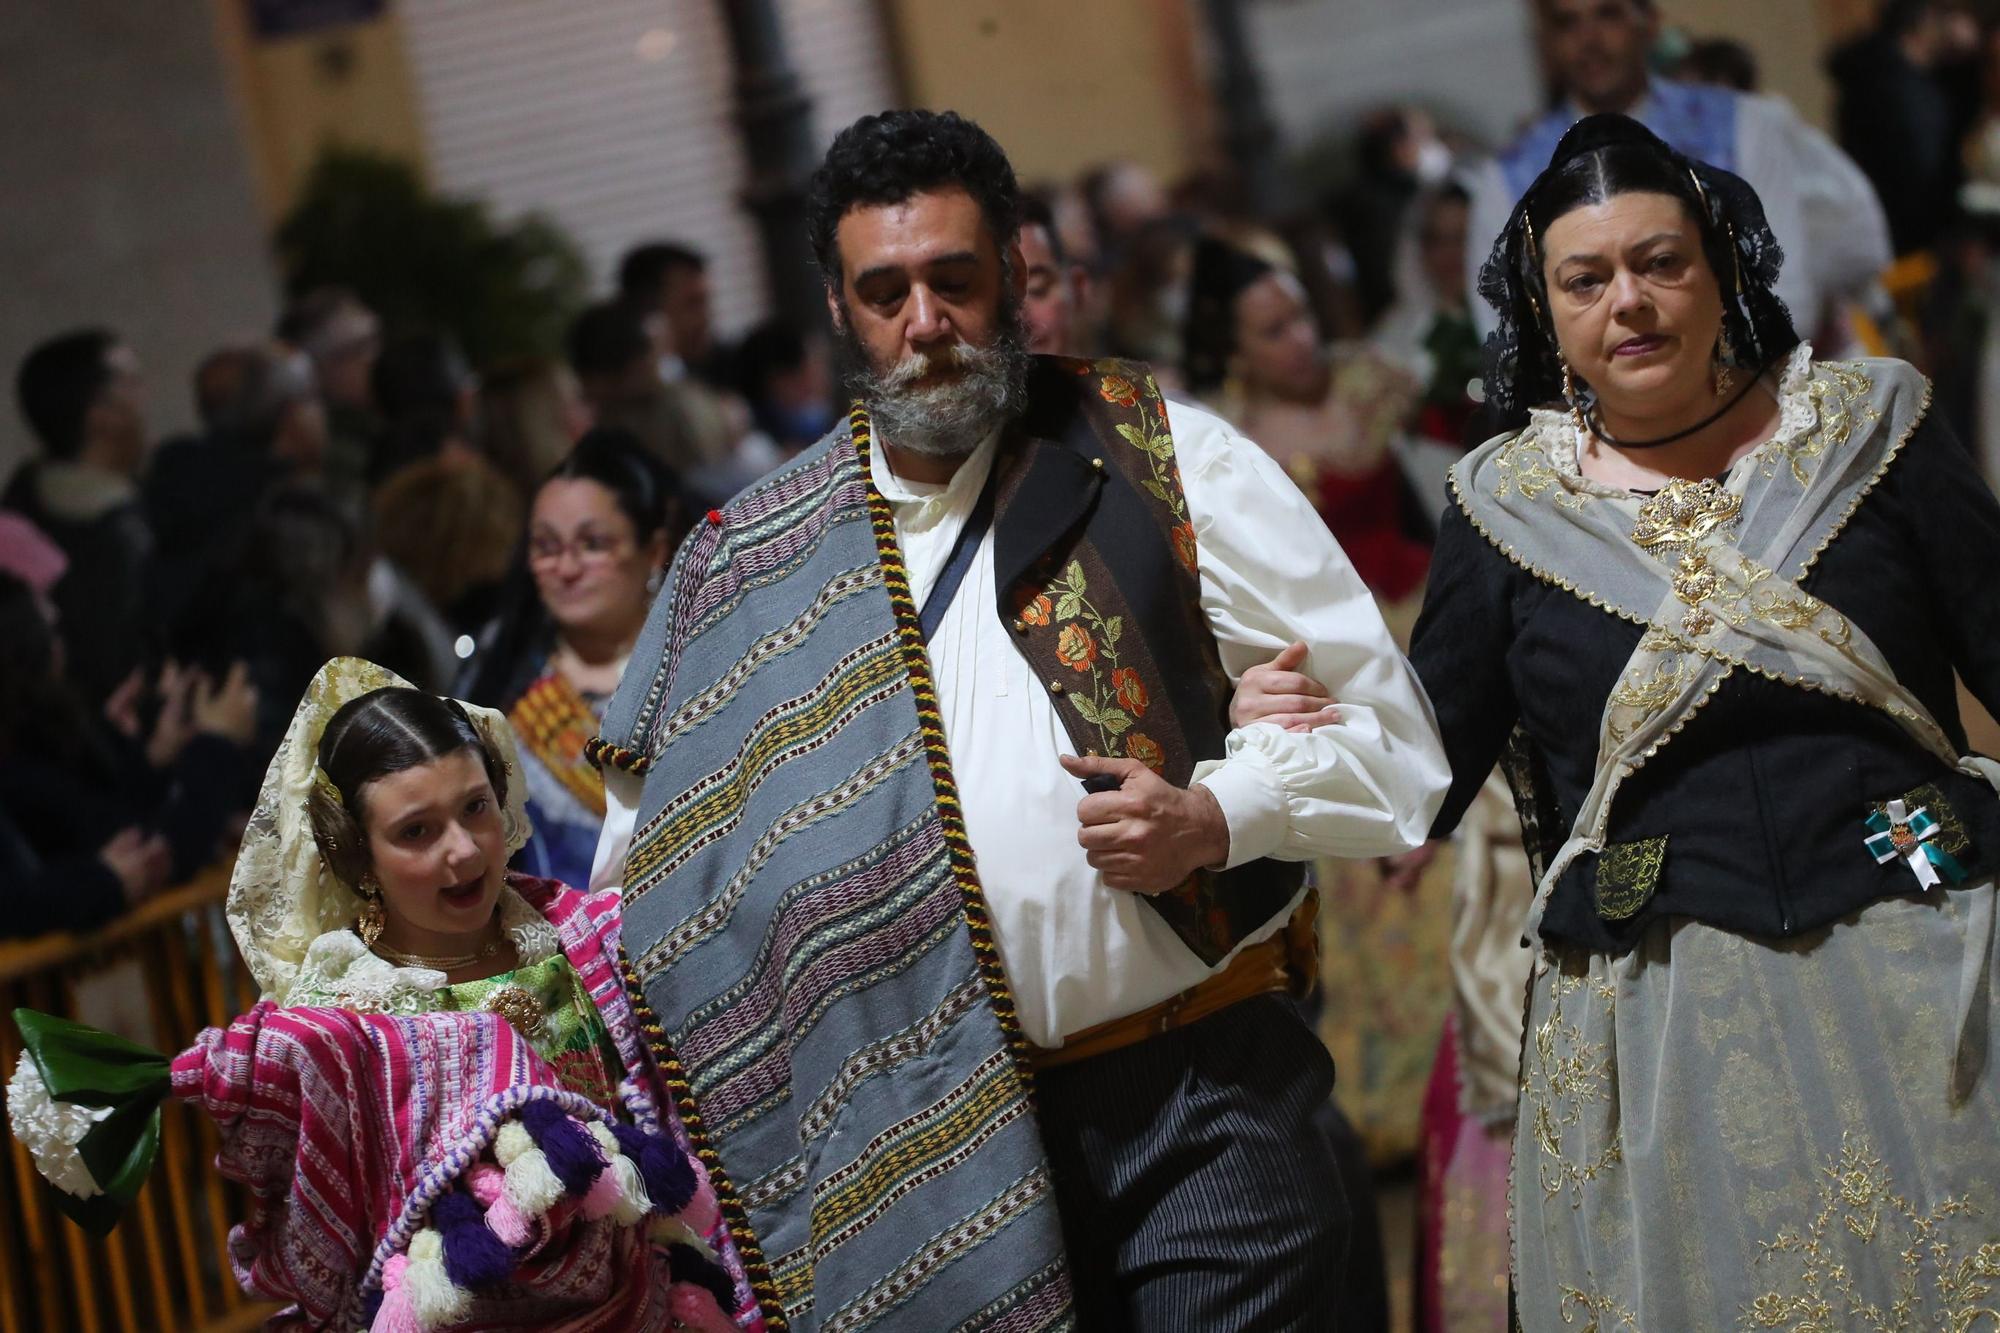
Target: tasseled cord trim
pixel 541 1157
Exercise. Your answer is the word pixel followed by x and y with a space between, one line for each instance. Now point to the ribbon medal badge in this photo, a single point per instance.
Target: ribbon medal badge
pixel 1899 833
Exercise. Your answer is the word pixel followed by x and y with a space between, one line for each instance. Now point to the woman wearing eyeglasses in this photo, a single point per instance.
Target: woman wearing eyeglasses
pixel 601 529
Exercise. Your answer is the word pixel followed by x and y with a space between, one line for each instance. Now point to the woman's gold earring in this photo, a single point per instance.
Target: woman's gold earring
pixel 1725 354
pixel 1569 396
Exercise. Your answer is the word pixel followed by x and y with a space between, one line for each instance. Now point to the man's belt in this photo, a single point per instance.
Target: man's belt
pixel 1288 961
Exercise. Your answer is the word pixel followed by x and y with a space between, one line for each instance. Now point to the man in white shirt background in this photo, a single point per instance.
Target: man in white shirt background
pixel 1096 565
pixel 1821 207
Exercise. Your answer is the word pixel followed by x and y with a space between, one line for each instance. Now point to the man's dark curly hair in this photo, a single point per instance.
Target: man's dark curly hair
pixel 887 158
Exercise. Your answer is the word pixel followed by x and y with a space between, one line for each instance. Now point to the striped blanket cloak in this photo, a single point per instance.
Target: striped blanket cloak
pixel 803 914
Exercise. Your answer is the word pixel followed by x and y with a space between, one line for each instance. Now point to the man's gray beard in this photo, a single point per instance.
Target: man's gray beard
pixel 950 418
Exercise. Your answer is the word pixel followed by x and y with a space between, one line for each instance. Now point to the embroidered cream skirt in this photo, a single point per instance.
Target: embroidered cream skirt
pixel 1721 1134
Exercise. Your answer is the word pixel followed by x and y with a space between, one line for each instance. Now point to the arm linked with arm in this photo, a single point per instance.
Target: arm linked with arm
pixel 1271 574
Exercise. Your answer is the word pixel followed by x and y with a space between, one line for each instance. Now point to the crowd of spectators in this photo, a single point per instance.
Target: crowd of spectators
pixel 360 489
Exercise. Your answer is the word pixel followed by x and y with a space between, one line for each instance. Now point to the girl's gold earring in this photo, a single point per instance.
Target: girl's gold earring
pixel 369 924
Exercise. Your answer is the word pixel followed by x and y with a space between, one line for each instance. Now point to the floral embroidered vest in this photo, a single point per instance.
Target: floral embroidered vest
pixel 1094 566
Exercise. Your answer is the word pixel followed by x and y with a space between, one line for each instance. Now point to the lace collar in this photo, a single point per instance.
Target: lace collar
pixel 340 971
pixel 1798 415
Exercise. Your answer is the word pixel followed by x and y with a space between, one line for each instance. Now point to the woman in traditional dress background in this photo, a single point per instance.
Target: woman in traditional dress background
pixel 600 532
pixel 1253 352
pixel 444 1109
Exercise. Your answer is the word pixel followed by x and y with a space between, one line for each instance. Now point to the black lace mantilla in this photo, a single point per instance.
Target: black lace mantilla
pixel 1523 368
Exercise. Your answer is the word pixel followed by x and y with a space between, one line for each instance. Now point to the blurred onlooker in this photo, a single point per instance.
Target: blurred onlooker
pixel 424 394
pixel 1148 293
pixel 617 362
pixel 1057 288
pixel 786 379
pixel 1429 330
pixel 1821 207
pixel 1399 153
pixel 343 337
pixel 1254 353
pixel 79 783
pixel 1076 232
pixel 669 281
pixel 1962 312
pixel 81 396
pixel 1902 118
pixel 1720 62
pixel 602 528
pixel 262 423
pixel 667 286
pixel 444 515
pixel 531 413
pixel 451 523
pixel 1124 200
pixel 1142 256
pixel 71 892
pixel 307 589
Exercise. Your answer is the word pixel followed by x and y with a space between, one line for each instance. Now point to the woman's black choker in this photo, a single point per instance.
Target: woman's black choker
pixel 1594 424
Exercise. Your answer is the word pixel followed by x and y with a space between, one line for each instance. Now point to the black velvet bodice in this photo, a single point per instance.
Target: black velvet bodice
pixel 1763 794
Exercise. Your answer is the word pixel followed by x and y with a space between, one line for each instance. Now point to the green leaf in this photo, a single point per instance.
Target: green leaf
pixel 1074 576
pixel 1160 446
pixel 1130 434
pixel 1088 708
pixel 1112 629
pixel 1156 490
pixel 1115 720
pixel 1068 605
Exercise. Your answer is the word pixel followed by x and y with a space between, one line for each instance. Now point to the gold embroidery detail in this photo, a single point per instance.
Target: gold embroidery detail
pixel 1596 1308
pixel 1525 462
pixel 1646 695
pixel 1628 873
pixel 1858 1197
pixel 1567 1074
pixel 1834 391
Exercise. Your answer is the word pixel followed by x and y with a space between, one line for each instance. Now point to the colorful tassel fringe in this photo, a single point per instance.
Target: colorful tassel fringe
pixel 636 1203
pixel 473 1255
pixel 545 1157
pixel 531 1186
pixel 433 1298
pixel 571 1155
pixel 667 1171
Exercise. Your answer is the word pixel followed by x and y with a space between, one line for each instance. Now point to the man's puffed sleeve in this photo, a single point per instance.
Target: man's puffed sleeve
pixel 1271 574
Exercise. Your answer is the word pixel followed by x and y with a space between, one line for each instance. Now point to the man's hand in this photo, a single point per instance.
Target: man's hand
pixel 1149 835
pixel 1278 692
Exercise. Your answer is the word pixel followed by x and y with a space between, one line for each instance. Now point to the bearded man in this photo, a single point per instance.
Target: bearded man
pixel 967 919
